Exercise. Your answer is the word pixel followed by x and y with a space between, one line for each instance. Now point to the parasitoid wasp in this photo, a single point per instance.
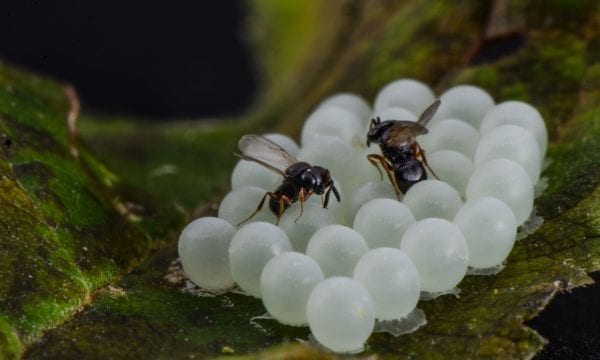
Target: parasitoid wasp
pixel 300 179
pixel 403 159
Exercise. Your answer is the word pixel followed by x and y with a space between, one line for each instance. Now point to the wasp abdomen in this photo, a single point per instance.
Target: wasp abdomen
pixel 408 173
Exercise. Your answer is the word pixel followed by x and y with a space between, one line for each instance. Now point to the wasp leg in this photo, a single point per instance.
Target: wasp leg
pixel 420 155
pixel 373 158
pixel 283 200
pixel 302 199
pixel 376 159
pixel 260 205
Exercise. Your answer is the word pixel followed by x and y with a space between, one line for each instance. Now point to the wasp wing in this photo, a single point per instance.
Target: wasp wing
pixel 428 113
pixel 264 152
pixel 403 133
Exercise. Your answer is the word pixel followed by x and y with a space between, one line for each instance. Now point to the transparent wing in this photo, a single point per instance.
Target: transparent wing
pixel 428 113
pixel 264 152
pixel 404 133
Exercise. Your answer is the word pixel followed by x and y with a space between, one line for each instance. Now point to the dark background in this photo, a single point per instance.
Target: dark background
pixel 188 60
pixel 148 59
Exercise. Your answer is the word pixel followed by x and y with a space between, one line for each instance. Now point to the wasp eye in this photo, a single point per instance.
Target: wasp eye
pixel 308 179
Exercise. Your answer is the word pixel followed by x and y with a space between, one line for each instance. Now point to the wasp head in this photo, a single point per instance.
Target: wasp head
pixel 315 179
pixel 377 129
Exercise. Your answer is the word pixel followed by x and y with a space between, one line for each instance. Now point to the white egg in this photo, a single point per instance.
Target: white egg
pixel 340 314
pixel 395 113
pixel 464 102
pixel 203 248
pixel 364 171
pixel 451 134
pixel 367 192
pixel 351 102
pixel 382 222
pixel 392 281
pixel 251 248
pixel 514 143
pixel 240 203
pixel 248 173
pixel 490 229
pixel 505 180
pixel 285 284
pixel 336 249
pixel 332 121
pixel 337 208
pixel 300 229
pixel 452 167
pixel 410 94
pixel 439 251
pixel 337 156
pixel 432 198
pixel 286 142
pixel 521 114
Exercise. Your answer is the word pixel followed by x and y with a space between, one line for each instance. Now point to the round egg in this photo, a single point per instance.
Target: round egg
pixel 367 192
pixel 521 114
pixel 339 157
pixel 203 249
pixel 364 171
pixel 336 249
pixel 351 102
pixel 251 248
pixel 490 229
pixel 514 143
pixel 410 94
pixel 432 198
pixel 464 102
pixel 395 113
pixel 300 229
pixel 382 222
pixel 452 167
pixel 337 208
pixel 340 314
pixel 451 134
pixel 248 173
pixel 285 284
pixel 332 121
pixel 505 180
pixel 392 281
pixel 241 202
pixel 439 251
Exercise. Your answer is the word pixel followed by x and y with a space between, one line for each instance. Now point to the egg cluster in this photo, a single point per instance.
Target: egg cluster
pixel 371 257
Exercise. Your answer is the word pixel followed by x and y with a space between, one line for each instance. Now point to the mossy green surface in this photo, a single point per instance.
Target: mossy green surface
pixel 350 46
pixel 63 235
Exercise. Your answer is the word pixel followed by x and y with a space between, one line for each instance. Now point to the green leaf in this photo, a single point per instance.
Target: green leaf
pixel 73 226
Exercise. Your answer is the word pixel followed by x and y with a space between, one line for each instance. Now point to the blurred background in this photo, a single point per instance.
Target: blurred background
pixel 184 60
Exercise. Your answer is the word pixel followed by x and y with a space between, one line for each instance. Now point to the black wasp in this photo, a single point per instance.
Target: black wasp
pixel 300 179
pixel 403 159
